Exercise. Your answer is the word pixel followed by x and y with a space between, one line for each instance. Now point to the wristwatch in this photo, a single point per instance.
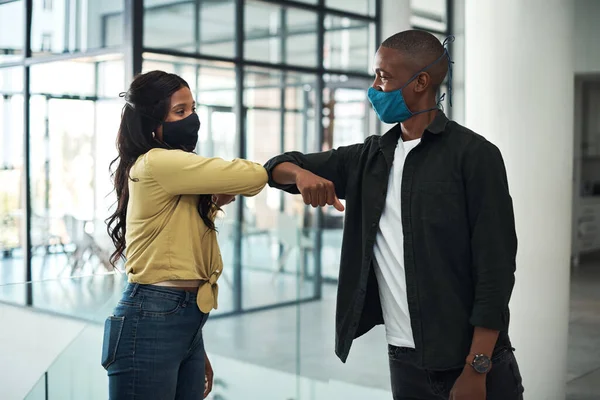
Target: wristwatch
pixel 481 363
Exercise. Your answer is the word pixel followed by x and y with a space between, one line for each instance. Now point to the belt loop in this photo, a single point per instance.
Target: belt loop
pixel 134 290
pixel 186 299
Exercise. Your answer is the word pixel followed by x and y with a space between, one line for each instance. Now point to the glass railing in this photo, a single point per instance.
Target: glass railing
pixel 283 351
pixel 76 374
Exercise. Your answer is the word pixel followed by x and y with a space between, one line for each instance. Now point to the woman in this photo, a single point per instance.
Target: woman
pixel 164 227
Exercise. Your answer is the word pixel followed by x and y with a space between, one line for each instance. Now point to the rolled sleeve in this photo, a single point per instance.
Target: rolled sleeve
pixel 332 165
pixel 493 236
pixel 294 158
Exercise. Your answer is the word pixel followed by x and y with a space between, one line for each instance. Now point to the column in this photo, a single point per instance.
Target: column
pixel 519 95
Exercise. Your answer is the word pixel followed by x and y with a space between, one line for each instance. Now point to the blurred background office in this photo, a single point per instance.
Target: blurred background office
pixel 272 76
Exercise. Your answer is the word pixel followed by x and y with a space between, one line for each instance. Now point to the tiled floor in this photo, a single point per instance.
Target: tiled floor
pixel 584 333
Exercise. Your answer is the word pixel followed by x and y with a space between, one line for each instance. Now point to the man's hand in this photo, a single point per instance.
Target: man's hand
pixel 223 199
pixel 209 376
pixel 470 385
pixel 317 191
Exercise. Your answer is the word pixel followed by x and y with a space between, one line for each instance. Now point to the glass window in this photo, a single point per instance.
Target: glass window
pixel 11 31
pixel 217 28
pixel 278 34
pixel 430 15
pixel 347 120
pixel 11 80
pixel 111 78
pixel 74 77
pixel 366 7
pixel 170 26
pixel 76 25
pixel 72 136
pixel 349 44
pixel 12 214
pixel 205 27
pixel 278 234
pixel 213 86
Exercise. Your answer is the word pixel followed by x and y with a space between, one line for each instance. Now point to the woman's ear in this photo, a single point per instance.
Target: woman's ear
pixel 158 133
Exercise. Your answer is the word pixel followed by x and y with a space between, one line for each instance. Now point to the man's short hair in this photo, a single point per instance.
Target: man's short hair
pixel 420 49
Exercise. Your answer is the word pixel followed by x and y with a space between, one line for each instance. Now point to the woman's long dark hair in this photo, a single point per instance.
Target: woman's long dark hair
pixel 147 105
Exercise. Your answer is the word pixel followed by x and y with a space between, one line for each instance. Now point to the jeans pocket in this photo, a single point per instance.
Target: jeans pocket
pixel 501 355
pixel 514 368
pixel 113 327
pixel 155 306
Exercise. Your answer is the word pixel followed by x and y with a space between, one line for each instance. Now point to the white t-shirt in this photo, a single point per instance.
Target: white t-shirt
pixel 389 254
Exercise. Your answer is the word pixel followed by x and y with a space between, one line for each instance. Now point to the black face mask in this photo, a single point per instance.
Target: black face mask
pixel 182 134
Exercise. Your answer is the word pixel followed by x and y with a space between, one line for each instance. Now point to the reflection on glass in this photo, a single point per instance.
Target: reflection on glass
pixel 11 31
pixel 63 26
pixel 347 120
pixel 349 44
pixel 277 245
pixel 365 7
pixel 72 136
pixel 278 34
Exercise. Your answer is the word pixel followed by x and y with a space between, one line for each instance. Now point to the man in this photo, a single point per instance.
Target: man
pixel 429 241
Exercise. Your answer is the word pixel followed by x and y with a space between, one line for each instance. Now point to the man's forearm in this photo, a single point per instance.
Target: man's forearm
pixel 484 341
pixel 285 173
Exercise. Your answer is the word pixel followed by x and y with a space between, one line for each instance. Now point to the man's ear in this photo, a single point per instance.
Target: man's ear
pixel 422 82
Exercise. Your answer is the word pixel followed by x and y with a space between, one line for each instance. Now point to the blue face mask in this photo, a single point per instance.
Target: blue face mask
pixel 391 107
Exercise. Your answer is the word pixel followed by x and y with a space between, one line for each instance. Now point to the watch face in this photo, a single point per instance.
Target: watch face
pixel 482 364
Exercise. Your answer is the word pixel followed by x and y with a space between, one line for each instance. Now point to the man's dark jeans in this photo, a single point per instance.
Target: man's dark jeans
pixel 412 383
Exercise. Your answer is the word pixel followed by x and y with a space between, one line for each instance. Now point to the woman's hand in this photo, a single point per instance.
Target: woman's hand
pixel 209 376
pixel 223 199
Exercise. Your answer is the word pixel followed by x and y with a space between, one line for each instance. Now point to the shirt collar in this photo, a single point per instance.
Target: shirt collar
pixel 390 139
pixel 438 125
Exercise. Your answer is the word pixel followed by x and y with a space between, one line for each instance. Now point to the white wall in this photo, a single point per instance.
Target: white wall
pixel 29 343
pixel 519 94
pixel 587 35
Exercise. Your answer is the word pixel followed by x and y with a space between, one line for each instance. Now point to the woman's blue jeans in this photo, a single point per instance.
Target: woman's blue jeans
pixel 153 347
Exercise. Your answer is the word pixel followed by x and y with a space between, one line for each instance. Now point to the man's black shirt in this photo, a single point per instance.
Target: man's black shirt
pixel 459 236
